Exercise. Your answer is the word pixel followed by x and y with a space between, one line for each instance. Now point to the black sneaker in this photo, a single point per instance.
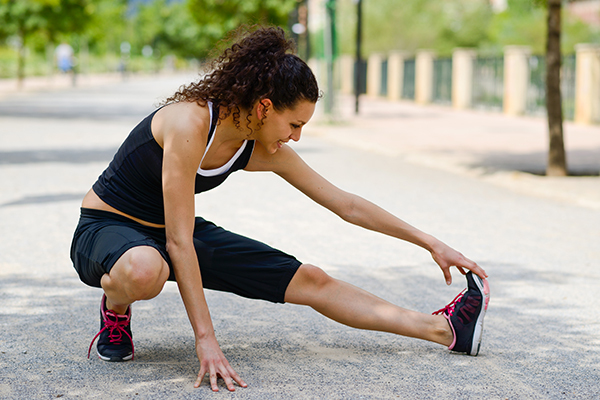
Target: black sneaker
pixel 115 341
pixel 465 314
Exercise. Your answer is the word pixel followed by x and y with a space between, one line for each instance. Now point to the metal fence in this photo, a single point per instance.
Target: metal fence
pixel 567 86
pixel 442 81
pixel 362 84
pixel 536 91
pixel 488 82
pixel 383 87
pixel 408 79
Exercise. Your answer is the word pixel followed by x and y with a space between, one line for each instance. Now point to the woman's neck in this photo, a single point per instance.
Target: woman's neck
pixel 230 130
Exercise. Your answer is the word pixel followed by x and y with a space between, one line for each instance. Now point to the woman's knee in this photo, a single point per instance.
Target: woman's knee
pixel 142 271
pixel 309 280
pixel 314 276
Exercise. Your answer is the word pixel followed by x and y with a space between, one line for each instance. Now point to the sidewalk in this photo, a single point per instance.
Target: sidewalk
pixel 503 150
pixel 60 81
pixel 54 82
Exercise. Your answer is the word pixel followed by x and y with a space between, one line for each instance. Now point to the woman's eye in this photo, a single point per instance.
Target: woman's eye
pixel 295 126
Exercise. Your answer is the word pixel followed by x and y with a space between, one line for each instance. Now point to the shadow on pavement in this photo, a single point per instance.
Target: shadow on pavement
pixel 50 198
pixel 579 162
pixel 109 112
pixel 71 156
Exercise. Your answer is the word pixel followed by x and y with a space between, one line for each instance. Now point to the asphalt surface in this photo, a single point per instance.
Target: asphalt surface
pixel 540 248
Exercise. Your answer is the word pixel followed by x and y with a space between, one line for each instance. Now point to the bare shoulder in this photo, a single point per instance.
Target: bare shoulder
pixel 181 120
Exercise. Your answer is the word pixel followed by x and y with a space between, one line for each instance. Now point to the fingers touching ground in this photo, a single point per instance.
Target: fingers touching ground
pixel 224 372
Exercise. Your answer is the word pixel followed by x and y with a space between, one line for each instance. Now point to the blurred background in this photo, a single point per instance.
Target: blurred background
pixel 151 35
pixel 519 57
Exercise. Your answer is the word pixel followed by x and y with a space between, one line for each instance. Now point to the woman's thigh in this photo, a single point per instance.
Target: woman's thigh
pixel 99 242
pixel 237 264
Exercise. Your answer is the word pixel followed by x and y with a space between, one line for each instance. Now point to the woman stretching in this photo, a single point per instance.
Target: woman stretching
pixel 138 227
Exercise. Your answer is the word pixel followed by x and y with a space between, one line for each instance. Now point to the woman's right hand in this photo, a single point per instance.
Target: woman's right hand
pixel 213 362
pixel 447 257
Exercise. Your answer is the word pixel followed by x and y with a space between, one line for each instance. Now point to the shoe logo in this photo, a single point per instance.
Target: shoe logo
pixel 469 309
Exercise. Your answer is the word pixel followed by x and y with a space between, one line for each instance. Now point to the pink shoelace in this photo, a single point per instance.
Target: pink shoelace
pixel 116 328
pixel 451 306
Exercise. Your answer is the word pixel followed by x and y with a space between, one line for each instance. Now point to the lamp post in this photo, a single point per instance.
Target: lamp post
pixel 329 53
pixel 358 61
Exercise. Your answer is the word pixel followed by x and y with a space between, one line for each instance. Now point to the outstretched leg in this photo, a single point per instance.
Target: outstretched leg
pixel 358 308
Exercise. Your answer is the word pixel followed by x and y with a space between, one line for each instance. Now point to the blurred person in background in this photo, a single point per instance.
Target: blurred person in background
pixel 64 57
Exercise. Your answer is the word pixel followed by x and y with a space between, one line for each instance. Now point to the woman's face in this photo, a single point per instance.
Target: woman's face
pixel 280 127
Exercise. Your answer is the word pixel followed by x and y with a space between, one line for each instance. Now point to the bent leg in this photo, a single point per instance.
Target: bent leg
pixel 139 274
pixel 358 308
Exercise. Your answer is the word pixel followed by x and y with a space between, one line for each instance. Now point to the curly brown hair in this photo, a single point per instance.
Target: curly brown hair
pixel 259 65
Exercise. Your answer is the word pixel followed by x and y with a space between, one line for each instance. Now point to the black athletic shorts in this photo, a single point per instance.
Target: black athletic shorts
pixel 228 262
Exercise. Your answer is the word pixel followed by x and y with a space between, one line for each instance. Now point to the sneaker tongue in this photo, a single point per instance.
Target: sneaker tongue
pixel 114 316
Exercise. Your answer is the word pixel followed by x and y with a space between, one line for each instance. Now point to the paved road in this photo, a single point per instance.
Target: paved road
pixel 541 335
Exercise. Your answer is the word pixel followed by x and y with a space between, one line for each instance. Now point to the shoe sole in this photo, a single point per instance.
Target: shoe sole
pixel 114 359
pixel 478 333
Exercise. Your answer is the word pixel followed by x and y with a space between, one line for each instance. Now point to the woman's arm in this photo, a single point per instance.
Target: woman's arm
pixel 183 134
pixel 356 210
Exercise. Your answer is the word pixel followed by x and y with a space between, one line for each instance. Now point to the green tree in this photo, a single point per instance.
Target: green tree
pixel 168 27
pixel 522 23
pixel 27 19
pixel 217 17
pixel 107 27
pixel 415 24
pixel 444 25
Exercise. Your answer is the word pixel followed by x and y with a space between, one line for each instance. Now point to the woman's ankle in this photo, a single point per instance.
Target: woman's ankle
pixel 443 331
pixel 119 309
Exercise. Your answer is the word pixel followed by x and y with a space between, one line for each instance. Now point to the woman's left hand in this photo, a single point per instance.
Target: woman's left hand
pixel 447 257
pixel 213 362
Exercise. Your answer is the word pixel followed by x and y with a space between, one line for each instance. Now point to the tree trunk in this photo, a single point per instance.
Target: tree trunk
pixel 557 163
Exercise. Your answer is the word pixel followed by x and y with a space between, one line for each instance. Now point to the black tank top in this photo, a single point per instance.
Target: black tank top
pixel 132 183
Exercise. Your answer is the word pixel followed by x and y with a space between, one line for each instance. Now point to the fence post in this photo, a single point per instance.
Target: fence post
pixel 516 79
pixel 462 78
pixel 424 76
pixel 374 74
pixel 346 74
pixel 587 83
pixel 395 75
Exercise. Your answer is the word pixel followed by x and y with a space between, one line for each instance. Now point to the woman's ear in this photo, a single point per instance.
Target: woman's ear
pixel 262 108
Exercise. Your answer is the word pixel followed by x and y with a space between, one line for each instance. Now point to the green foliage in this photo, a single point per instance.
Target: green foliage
pixel 185 28
pixel 8 62
pixel 443 25
pixel 575 31
pixel 189 29
pixel 414 24
pixel 217 17
pixel 45 18
pixel 36 22
pixel 524 24
pixel 168 27
pixel 107 27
